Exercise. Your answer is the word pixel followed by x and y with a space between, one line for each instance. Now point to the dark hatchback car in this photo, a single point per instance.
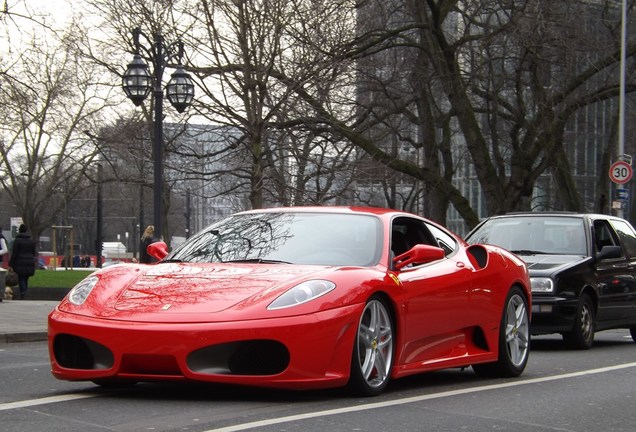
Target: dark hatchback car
pixel 582 269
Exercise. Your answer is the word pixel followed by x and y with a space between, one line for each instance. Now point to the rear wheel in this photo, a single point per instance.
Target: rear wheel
pixel 514 339
pixel 582 334
pixel 372 357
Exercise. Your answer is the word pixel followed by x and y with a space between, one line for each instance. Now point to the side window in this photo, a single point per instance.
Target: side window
pixel 407 232
pixel 603 235
pixel 443 239
pixel 627 236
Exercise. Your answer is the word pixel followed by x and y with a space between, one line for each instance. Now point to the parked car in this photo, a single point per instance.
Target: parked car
pixel 582 269
pixel 299 298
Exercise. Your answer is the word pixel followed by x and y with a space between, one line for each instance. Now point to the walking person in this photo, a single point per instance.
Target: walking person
pixel 146 239
pixel 4 249
pixel 22 259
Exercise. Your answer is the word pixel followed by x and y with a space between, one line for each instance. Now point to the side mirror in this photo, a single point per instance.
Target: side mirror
pixel 418 254
pixel 158 250
pixel 608 252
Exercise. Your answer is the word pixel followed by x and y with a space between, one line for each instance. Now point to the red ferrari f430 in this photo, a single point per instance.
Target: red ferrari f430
pixel 299 298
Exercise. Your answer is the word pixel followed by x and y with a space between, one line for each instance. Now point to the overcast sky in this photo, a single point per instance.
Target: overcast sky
pixel 53 13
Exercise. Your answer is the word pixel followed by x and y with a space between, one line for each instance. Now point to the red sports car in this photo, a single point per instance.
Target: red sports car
pixel 299 298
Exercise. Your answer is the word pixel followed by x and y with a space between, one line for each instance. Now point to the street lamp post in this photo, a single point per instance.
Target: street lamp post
pixel 138 83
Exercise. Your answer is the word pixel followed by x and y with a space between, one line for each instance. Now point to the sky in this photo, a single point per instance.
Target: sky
pixel 54 13
pixel 59 10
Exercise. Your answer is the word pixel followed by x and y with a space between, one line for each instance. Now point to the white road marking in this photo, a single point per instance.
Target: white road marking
pixel 44 401
pixel 274 421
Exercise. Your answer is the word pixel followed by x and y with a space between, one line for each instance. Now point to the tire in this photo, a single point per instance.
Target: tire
pixel 582 335
pixel 372 358
pixel 514 339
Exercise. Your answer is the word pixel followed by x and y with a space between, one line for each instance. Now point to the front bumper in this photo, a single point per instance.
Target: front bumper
pixel 552 314
pixel 310 351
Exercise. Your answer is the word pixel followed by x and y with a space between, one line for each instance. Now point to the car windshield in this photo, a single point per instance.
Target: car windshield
pixel 528 235
pixel 295 238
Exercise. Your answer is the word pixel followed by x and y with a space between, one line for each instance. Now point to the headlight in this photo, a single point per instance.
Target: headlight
pixel 302 293
pixel 80 292
pixel 542 285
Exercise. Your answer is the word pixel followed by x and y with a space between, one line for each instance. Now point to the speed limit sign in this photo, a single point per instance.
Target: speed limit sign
pixel 620 172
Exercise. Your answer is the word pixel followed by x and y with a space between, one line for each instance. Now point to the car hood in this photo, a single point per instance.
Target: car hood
pixel 541 264
pixel 192 288
pixel 189 292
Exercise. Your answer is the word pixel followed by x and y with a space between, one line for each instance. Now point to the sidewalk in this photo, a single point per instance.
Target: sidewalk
pixel 24 320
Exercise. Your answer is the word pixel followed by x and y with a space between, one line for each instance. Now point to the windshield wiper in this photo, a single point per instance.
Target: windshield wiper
pixel 257 261
pixel 528 252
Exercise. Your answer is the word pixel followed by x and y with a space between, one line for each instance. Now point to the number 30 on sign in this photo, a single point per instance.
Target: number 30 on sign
pixel 620 172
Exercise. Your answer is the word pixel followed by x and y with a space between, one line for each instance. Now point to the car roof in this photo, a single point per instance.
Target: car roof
pixel 385 214
pixel 378 211
pixel 545 213
pixel 564 214
pixel 556 214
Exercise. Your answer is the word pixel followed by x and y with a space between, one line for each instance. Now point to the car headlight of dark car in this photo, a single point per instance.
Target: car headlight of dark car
pixel 542 284
pixel 80 292
pixel 302 293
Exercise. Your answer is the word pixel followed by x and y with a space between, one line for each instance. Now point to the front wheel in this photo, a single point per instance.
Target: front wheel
pixel 514 339
pixel 582 335
pixel 372 357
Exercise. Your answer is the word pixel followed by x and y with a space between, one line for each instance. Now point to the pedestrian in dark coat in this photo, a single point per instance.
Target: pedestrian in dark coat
pixel 147 239
pixel 23 259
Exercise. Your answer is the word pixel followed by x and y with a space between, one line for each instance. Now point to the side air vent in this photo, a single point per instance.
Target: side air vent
pixel 478 256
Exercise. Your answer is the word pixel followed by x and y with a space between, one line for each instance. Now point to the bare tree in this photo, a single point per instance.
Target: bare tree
pixel 49 99
pixel 484 71
pixel 431 90
pixel 250 58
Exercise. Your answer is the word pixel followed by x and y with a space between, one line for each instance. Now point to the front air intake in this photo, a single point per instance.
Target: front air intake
pixel 73 352
pixel 253 357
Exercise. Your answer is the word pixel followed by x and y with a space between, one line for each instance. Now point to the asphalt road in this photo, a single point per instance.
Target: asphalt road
pixel 561 390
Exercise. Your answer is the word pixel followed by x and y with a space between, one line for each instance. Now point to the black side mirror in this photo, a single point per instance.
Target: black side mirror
pixel 609 252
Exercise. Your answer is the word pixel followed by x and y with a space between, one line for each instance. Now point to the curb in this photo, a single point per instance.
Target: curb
pixel 40 293
pixel 23 337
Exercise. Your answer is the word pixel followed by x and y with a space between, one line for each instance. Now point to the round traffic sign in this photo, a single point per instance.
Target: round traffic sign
pixel 620 172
